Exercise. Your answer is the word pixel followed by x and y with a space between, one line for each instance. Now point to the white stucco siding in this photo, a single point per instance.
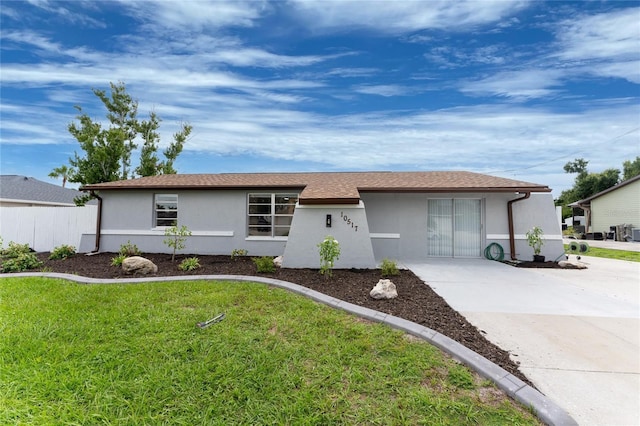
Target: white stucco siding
pixel 621 206
pixel 538 210
pixel 217 220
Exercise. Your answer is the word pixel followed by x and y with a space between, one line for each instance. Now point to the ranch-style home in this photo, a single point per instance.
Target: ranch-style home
pixel 405 216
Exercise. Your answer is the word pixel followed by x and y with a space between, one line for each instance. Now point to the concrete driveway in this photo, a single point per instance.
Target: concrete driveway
pixel 575 333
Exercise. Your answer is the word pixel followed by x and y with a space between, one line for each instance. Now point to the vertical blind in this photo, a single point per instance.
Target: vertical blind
pixel 454 227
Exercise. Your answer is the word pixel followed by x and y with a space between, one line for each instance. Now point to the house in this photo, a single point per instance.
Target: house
pixel 23 191
pixel 406 216
pixel 618 205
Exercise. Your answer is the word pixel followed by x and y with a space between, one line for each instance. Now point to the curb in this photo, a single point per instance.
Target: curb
pixel 544 408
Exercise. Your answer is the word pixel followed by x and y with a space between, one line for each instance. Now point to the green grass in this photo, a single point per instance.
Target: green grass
pixel 632 256
pixel 132 355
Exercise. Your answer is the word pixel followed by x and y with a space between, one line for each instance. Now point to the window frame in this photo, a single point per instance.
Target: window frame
pixel 156 210
pixel 272 216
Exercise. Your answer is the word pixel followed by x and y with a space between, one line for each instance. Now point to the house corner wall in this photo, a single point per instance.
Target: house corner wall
pixel 309 228
pixel 538 210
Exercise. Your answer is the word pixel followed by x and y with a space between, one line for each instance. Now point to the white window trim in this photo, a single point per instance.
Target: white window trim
pixel 155 225
pixel 273 196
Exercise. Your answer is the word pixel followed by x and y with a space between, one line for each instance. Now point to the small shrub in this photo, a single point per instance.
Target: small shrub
pixel 189 264
pixel 264 264
pixel 128 250
pixel 62 252
pixel 117 261
pixel 389 267
pixel 15 249
pixel 176 238
pixel 21 262
pixel 236 253
pixel 329 253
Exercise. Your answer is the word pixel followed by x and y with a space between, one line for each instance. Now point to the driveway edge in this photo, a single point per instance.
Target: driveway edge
pixel 543 407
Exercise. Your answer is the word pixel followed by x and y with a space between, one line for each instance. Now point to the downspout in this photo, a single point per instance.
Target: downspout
pixel 98 222
pixel 512 237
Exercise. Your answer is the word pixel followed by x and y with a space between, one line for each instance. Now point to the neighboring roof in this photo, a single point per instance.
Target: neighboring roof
pixel 338 187
pixel 29 190
pixel 606 191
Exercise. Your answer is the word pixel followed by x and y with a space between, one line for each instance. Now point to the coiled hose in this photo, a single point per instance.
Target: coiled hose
pixel 494 251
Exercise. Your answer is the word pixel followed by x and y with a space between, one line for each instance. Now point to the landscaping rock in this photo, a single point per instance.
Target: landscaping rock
pixel 278 261
pixel 572 265
pixel 139 265
pixel 385 289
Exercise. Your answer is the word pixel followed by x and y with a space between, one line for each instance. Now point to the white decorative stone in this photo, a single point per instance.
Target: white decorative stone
pixel 385 289
pixel 139 265
pixel 278 262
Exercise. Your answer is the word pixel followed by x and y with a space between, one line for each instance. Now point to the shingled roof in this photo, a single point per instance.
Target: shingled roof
pixel 28 190
pixel 323 188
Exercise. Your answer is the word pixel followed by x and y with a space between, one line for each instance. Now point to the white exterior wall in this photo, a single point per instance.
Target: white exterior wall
pixel 621 206
pixel 348 226
pixel 398 223
pixel 216 219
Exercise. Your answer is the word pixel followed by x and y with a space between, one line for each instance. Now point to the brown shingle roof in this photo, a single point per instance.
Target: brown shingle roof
pixel 338 187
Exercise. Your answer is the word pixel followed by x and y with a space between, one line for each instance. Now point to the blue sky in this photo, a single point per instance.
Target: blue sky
pixel 509 88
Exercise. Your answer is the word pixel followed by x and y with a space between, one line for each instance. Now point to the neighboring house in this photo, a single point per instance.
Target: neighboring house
pixel 406 216
pixel 23 191
pixel 615 206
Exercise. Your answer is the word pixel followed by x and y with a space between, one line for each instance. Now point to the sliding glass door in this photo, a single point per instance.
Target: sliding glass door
pixel 454 227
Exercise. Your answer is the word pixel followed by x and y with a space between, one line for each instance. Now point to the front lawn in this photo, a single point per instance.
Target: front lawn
pixel 132 354
pixel 632 256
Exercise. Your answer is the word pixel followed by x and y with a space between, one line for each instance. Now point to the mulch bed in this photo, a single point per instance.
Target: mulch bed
pixel 416 301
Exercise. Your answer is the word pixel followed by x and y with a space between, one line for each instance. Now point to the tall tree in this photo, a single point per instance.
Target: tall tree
pixel 107 151
pixel 61 172
pixel 630 168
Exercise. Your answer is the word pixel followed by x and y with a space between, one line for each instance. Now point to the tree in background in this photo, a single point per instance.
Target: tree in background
pixel 61 172
pixel 630 169
pixel 107 151
pixel 586 184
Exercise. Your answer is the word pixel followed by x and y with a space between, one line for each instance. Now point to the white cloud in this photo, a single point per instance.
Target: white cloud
pixel 386 90
pixel 191 16
pixel 608 42
pixel 517 85
pixel 402 16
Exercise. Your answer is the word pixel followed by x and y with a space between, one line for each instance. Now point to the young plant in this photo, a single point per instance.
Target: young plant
pixel 236 253
pixel 176 238
pixel 20 262
pixel 329 253
pixel 389 267
pixel 189 264
pixel 264 264
pixel 117 261
pixel 535 238
pixel 62 252
pixel 128 250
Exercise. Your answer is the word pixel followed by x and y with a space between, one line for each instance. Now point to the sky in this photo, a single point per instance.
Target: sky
pixel 509 88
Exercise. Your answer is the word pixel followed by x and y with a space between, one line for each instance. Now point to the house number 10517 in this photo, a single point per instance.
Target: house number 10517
pixel 348 221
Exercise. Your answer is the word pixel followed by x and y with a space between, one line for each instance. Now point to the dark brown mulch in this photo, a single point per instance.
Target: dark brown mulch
pixel 416 301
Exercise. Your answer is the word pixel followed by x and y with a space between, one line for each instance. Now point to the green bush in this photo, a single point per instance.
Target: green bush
pixel 329 253
pixel 117 261
pixel 15 249
pixel 189 264
pixel 236 253
pixel 128 250
pixel 264 264
pixel 389 267
pixel 20 262
pixel 176 238
pixel 62 252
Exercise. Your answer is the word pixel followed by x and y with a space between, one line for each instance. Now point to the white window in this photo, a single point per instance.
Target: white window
pixel 166 210
pixel 270 215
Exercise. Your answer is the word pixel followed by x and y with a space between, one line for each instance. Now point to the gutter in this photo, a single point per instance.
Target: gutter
pixel 98 222
pixel 512 238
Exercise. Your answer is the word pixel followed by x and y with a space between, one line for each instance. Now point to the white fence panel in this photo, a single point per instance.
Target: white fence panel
pixel 44 228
